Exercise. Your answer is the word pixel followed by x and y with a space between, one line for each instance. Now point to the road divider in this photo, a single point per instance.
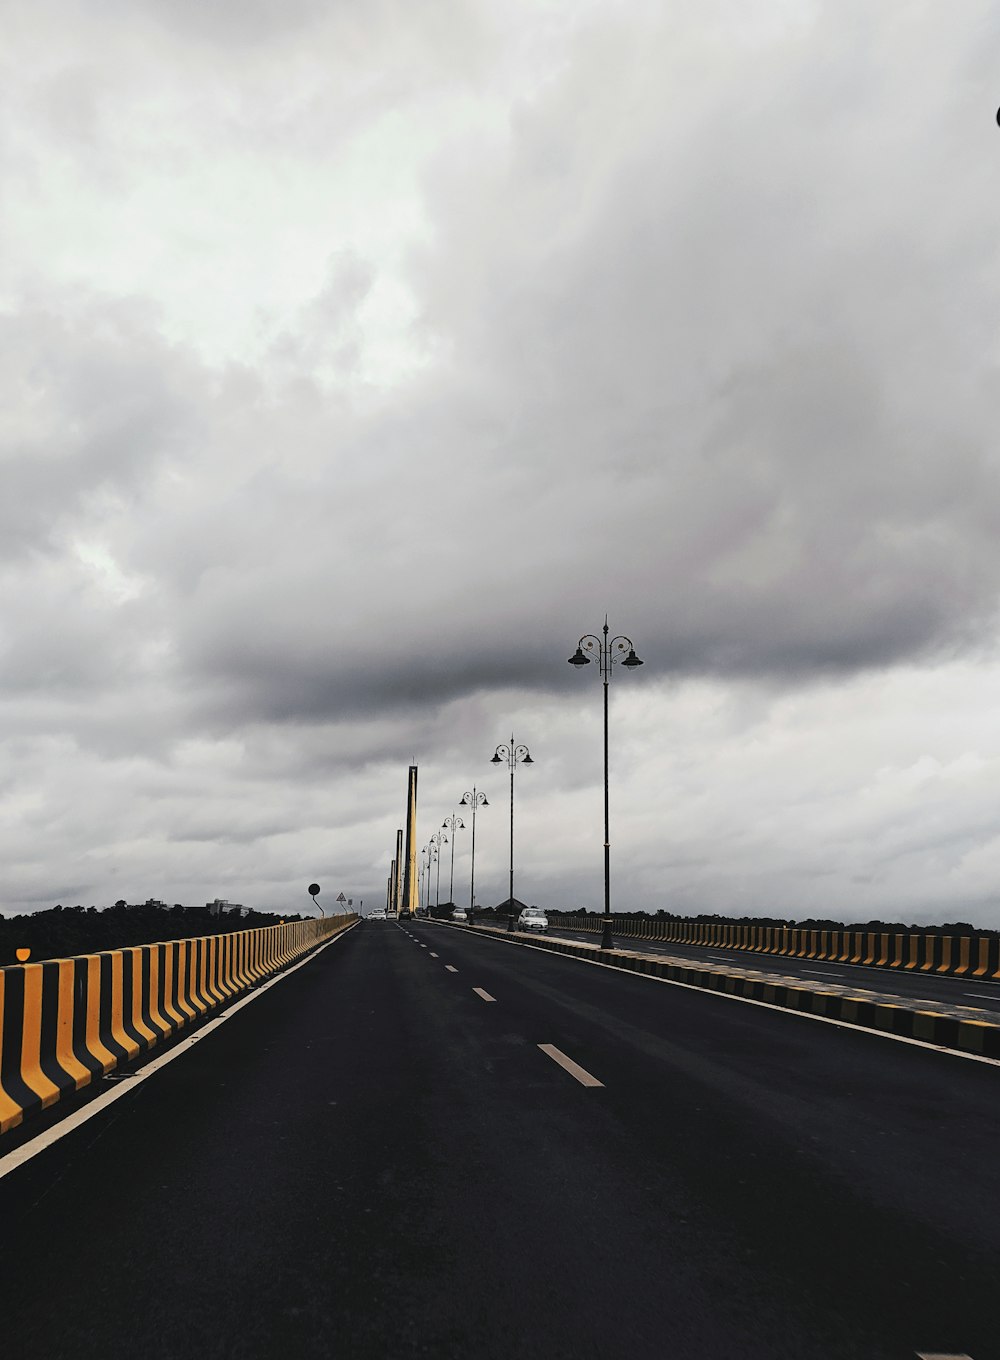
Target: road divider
pixel 943 1026
pixel 64 1022
pixel 972 956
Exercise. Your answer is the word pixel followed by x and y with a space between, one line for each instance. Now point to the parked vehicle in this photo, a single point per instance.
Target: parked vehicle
pixel 532 918
pixel 461 915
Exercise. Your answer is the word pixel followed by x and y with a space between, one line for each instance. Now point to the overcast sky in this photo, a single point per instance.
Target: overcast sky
pixel 358 356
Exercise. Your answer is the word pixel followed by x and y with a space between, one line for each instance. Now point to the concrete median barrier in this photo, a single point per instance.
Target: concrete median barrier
pixel 946 1026
pixel 927 952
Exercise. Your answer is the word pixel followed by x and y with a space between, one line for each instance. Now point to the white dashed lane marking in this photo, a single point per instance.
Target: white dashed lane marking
pixel 574 1069
pixel 485 995
pixel 451 968
pixel 941 1355
pixel 433 955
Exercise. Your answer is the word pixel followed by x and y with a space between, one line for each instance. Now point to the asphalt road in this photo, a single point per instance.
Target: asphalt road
pixel 374 1160
pixel 977 993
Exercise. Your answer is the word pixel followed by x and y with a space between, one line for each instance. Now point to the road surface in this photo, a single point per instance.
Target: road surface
pixel 399 1150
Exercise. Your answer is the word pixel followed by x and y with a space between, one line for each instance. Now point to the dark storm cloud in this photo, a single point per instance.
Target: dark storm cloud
pixel 95 404
pixel 754 375
pixel 699 392
pixel 695 325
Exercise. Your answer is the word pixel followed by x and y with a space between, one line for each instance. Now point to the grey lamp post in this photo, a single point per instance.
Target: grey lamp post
pixel 453 823
pixel 475 800
pixel 608 655
pixel 432 858
pixel 513 755
pixel 437 840
pixel 427 859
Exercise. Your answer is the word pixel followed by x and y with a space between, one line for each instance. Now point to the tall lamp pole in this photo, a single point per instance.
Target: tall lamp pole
pixel 432 854
pixel 608 654
pixel 475 800
pixel 437 840
pixel 427 859
pixel 513 755
pixel 453 823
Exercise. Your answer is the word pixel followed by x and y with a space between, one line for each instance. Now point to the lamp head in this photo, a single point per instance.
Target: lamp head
pixel 578 658
pixel 526 759
pixel 484 801
pixel 631 660
pixel 466 800
pixel 497 759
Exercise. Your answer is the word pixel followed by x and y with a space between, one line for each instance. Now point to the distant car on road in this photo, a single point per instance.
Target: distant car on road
pixel 460 914
pixel 532 918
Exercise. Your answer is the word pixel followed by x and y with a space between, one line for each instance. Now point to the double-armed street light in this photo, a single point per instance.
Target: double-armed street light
pixel 513 755
pixel 619 649
pixel 453 823
pixel 429 854
pixel 437 840
pixel 475 800
pixel 432 859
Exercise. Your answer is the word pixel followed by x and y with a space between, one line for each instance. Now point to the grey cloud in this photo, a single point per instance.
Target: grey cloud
pixel 707 337
pixel 744 361
pixel 94 403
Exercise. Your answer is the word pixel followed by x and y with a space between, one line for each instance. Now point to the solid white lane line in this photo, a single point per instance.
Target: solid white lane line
pixel 574 1069
pixel 31 1149
pixel 485 995
pixel 451 968
pixel 433 955
pixel 817 972
pixel 939 1355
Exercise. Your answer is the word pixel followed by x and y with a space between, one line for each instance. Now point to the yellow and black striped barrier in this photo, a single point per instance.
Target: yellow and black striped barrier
pixel 66 1021
pixel 974 956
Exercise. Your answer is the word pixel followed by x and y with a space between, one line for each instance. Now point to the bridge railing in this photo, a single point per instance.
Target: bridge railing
pixel 64 1022
pixel 976 956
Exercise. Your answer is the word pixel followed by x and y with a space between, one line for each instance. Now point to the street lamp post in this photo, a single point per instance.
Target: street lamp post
pixel 427 853
pixel 513 755
pixel 475 800
pixel 438 839
pixel 608 655
pixel 453 823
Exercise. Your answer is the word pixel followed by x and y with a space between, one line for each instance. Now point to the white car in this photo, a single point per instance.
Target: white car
pixel 461 915
pixel 532 918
